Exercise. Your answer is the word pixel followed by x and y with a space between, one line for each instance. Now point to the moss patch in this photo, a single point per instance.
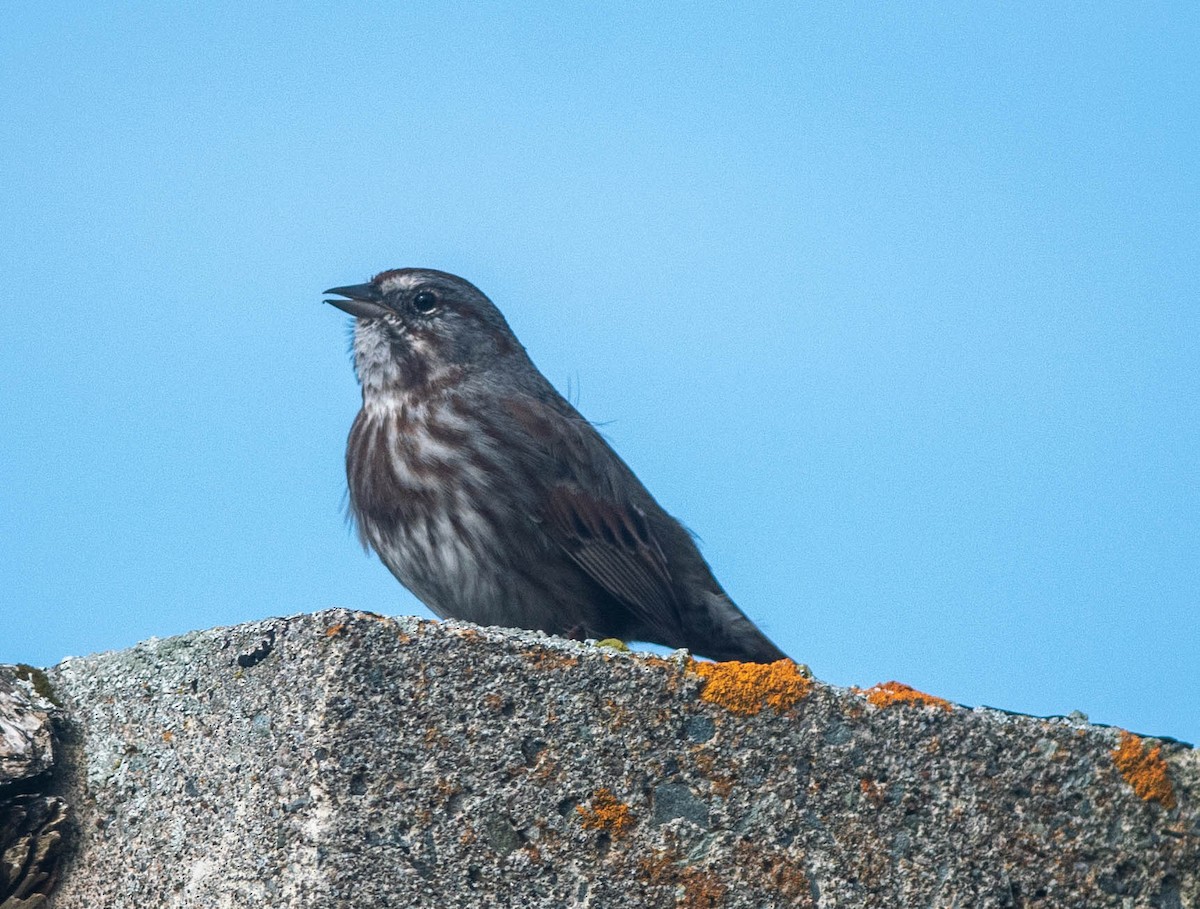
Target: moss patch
pixel 39 681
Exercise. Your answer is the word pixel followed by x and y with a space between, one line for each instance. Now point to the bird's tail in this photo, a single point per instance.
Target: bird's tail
pixel 730 635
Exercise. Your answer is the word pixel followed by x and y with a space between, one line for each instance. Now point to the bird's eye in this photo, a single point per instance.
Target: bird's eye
pixel 425 302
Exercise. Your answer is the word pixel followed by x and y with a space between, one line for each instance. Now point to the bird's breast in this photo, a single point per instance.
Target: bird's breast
pixel 412 455
pixel 422 484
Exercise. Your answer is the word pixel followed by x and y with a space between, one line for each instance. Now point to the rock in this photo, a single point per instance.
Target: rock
pixel 674 800
pixel 343 759
pixel 32 822
pixel 26 734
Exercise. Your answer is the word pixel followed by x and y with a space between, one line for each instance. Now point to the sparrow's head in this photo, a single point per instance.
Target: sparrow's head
pixel 415 325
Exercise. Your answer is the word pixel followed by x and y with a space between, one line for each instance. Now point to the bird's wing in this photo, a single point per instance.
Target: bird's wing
pixel 614 544
pixel 589 508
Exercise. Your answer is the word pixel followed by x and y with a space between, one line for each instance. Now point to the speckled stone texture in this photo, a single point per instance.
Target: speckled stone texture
pixel 343 759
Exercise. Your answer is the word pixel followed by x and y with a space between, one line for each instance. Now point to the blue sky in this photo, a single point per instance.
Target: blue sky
pixel 897 306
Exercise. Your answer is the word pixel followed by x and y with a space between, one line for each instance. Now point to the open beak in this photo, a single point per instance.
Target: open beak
pixel 364 300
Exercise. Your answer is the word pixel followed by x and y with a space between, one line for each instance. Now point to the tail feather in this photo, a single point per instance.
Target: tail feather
pixel 730 635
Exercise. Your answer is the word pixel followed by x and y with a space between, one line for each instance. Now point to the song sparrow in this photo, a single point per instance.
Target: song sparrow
pixel 493 500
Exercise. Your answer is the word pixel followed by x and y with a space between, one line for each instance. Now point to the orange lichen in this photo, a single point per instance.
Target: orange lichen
pixel 606 813
pixel 778 873
pixel 1145 771
pixel 656 866
pixel 674 675
pixel 659 663
pixel 696 888
pixel 701 889
pixel 722 784
pixel 747 688
pixel 334 630
pixel 619 716
pixel 167 735
pixel 873 791
pixel 886 694
pixel 544 659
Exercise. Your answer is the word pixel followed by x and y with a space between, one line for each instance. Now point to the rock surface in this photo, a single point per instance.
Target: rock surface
pixel 31 821
pixel 343 759
pixel 26 734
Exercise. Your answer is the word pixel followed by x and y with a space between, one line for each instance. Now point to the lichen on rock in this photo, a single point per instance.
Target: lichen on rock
pixel 1144 769
pixel 408 762
pixel 746 688
pixel 887 694
pixel 606 813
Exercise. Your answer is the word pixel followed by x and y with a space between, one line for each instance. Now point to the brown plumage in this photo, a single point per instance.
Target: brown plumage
pixel 488 495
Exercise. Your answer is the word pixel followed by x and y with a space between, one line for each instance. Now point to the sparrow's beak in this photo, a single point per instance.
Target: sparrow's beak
pixel 364 301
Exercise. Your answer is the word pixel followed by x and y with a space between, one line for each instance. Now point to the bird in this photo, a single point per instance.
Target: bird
pixel 494 501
